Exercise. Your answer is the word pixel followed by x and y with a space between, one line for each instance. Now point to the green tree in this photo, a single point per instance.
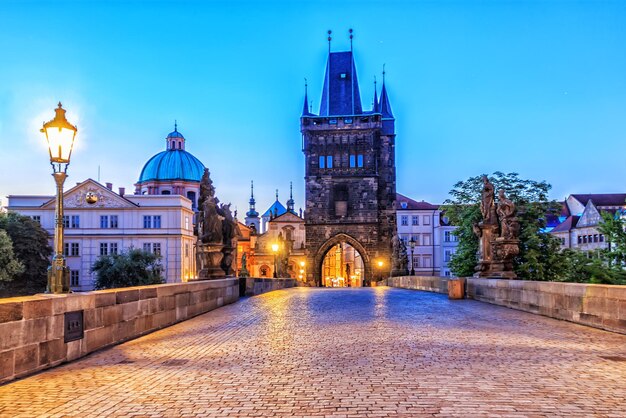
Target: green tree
pixel 582 267
pixel 539 257
pixel 130 268
pixel 613 227
pixel 31 247
pixel 10 266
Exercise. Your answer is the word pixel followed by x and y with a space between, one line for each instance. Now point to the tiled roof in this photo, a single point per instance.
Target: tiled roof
pixel 567 225
pixel 340 95
pixel 277 209
pixel 413 204
pixel 602 199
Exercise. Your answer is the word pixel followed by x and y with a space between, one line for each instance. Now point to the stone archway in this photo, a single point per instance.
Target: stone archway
pixel 330 243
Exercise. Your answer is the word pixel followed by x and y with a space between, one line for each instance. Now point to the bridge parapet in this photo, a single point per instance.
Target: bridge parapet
pixel 36 332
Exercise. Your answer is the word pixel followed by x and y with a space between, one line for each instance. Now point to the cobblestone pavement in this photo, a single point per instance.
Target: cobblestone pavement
pixel 342 352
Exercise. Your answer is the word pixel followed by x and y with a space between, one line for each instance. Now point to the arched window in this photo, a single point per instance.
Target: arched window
pixel 264 271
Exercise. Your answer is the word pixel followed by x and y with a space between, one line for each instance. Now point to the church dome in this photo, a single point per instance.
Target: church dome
pixel 175 134
pixel 173 164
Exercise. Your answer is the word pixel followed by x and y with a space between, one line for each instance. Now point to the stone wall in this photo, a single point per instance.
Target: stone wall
pixel 257 285
pixel 427 283
pixel 600 306
pixel 32 328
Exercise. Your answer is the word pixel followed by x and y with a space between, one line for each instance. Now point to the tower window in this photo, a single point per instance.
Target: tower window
pixel 322 161
pixel 343 75
pixel 329 161
pixel 352 161
pixel 359 161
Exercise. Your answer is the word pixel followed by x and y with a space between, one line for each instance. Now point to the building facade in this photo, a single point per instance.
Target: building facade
pixel 162 224
pixel 432 235
pixel 350 173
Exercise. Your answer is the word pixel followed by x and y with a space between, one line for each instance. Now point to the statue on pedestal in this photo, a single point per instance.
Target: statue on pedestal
pixel 498 234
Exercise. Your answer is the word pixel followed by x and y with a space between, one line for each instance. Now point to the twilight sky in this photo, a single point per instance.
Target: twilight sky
pixel 476 86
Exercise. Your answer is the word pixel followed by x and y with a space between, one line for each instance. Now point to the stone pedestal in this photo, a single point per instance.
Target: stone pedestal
pixel 488 234
pixel 210 261
pixel 504 250
pixel 227 260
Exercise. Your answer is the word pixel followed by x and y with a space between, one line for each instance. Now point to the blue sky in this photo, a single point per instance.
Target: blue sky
pixel 476 86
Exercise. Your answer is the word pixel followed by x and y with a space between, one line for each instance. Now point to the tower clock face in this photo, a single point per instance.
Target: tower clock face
pixel 91 198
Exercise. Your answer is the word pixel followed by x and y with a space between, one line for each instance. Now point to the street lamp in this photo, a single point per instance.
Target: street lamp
pixel 275 251
pixel 412 244
pixel 60 136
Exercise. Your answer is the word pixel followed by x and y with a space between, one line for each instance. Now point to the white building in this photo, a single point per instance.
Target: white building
pixel 435 243
pixel 162 224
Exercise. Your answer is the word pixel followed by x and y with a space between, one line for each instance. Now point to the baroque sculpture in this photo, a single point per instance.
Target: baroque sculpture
pixel 498 233
pixel 399 257
pixel 217 233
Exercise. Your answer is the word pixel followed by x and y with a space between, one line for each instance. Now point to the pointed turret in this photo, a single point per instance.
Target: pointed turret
pixel 384 106
pixel 376 108
pixel 305 108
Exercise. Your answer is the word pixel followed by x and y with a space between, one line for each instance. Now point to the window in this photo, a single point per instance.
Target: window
pixel 71 221
pixel 152 221
pixel 426 238
pixel 186 222
pixel 447 235
pixel 66 221
pixel 601 237
pixel 580 239
pixel 104 248
pixel 359 160
pixel 113 248
pixel 186 250
pixel 66 249
pixel 322 161
pixel 446 273
pixel 329 161
pixel 584 239
pixel 427 261
pixel 37 219
pixel 415 220
pixel 147 247
pixel 447 255
pixel 416 239
pixel 426 220
pixel 114 221
pixel 74 278
pixel 352 161
pixel 347 120
pixel 405 240
pixel 595 237
pixel 343 75
pixel 403 205
pixel 104 221
pixel 404 220
pixel 71 249
pixel 156 248
pixel 416 261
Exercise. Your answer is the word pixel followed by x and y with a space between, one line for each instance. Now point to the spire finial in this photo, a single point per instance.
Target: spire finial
pixel 351 36
pixel 291 190
pixel 330 38
pixel 252 189
pixel 175 125
pixel 276 194
pixel 383 73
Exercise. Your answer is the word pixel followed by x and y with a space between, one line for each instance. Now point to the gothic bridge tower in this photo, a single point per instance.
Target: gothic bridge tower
pixel 350 176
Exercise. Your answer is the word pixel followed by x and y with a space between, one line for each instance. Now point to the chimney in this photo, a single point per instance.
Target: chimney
pixel 110 186
pixel 122 191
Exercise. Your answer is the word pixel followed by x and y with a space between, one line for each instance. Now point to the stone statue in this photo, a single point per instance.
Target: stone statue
pixel 509 226
pixel 399 259
pixel 487 203
pixel 211 231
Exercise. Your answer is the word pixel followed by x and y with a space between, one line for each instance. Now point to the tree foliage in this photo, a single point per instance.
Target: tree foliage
pixel 539 257
pixel 10 266
pixel 613 227
pixel 130 268
pixel 31 248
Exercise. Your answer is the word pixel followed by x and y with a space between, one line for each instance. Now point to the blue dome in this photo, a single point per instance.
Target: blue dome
pixel 174 164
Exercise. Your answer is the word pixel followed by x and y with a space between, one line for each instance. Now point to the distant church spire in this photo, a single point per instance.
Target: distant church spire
pixel 290 202
pixel 252 213
pixel 277 195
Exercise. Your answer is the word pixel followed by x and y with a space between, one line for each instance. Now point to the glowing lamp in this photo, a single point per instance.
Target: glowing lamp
pixel 60 135
pixel 275 248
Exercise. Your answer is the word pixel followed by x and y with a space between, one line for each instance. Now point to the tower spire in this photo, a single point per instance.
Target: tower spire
pixel 252 216
pixel 351 36
pixel 305 109
pixel 385 106
pixel 290 202
pixel 175 125
pixel 330 38
pixel 376 107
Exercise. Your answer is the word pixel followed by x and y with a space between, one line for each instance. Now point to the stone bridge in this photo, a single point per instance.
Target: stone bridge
pixel 342 352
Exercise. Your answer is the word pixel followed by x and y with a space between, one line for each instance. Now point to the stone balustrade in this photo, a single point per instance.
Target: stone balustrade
pixel 34 329
pixel 257 285
pixel 599 306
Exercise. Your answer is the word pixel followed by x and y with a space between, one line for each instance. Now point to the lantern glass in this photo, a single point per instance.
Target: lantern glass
pixel 60 135
pixel 275 248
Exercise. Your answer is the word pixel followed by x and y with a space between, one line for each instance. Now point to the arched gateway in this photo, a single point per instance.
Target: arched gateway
pixel 342 261
pixel 350 175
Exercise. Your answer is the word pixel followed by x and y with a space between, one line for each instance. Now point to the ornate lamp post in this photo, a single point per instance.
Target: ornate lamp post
pixel 60 135
pixel 412 244
pixel 275 251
